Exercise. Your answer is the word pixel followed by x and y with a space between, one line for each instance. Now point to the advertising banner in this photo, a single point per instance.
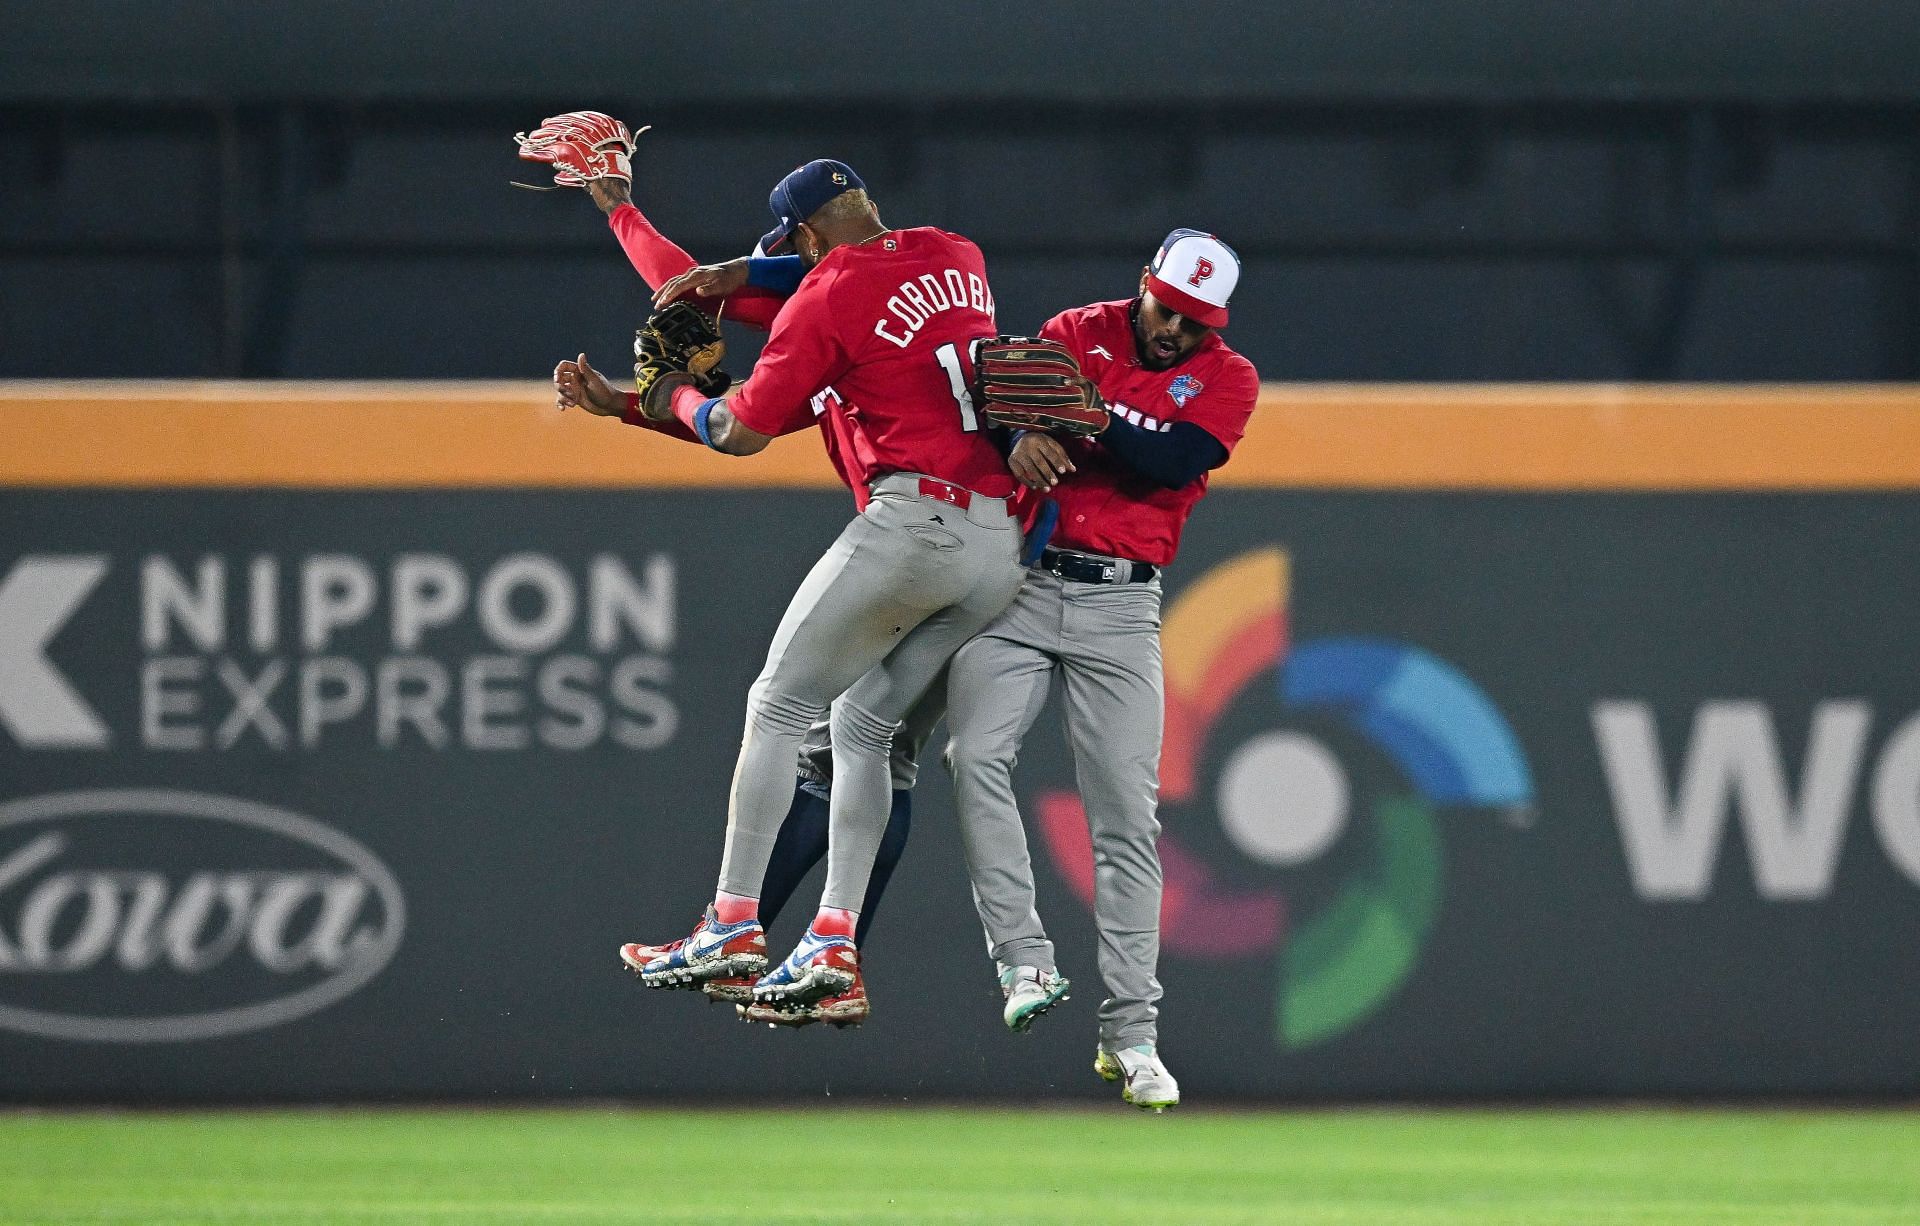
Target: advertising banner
pixel 311 794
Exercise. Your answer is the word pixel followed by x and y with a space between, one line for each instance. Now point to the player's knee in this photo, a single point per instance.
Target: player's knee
pixel 973 755
pixel 770 709
pixel 859 730
pixel 1132 846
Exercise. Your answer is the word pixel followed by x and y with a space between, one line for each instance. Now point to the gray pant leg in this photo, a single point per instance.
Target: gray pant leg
pixel 870 589
pixel 996 687
pixel 867 717
pixel 816 752
pixel 1115 709
pixel 915 731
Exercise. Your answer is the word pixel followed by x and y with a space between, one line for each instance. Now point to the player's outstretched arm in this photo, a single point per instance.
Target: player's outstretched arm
pixel 664 263
pixel 672 397
pixel 592 150
pixel 576 384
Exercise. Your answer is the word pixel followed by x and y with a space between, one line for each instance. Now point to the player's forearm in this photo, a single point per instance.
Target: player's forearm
pixel 672 427
pixel 658 260
pixel 707 419
pixel 653 255
pixel 727 434
pixel 1172 458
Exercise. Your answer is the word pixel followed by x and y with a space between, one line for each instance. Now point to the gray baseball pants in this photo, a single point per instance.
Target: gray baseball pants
pixel 903 763
pixel 874 622
pixel 1102 641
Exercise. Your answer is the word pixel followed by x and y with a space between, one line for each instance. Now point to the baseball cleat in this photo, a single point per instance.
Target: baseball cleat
pixel 1146 1083
pixel 715 951
pixel 818 968
pixel 635 956
pixel 730 991
pixel 850 1008
pixel 1029 992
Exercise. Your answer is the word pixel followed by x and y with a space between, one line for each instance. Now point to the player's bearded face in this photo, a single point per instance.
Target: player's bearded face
pixel 1162 337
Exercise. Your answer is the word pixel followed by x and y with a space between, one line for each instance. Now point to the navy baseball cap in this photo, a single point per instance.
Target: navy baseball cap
pixel 802 193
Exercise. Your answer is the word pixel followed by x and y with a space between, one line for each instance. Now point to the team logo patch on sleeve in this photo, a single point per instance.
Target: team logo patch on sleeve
pixel 1183 389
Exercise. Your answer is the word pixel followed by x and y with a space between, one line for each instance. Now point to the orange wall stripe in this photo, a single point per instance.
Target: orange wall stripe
pixel 1320 436
pixel 356 436
pixel 1583 437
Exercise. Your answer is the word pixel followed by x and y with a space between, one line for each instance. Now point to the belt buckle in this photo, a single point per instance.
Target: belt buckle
pixel 1108 572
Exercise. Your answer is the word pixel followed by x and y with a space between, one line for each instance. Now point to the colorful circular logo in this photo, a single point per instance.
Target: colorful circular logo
pixel 1284 796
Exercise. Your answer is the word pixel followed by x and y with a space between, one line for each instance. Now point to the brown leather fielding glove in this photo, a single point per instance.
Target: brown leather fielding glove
pixel 1031 383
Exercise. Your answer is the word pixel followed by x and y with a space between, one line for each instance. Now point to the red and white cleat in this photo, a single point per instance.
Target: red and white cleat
pixel 819 967
pixel 715 951
pixel 735 991
pixel 635 954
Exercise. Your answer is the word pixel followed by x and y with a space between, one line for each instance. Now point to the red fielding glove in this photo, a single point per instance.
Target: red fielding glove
pixel 596 128
pixel 581 146
pixel 576 164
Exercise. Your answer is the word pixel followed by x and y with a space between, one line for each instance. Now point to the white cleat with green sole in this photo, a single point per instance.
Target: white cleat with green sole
pixel 1145 1082
pixel 1030 992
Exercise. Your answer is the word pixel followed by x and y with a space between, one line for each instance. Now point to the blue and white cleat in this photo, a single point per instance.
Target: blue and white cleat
pixel 817 968
pixel 1029 992
pixel 1146 1083
pixel 714 951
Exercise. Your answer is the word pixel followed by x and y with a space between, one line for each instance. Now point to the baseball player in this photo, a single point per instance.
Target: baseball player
pixel 1180 400
pixel 1089 615
pixel 802 840
pixel 880 335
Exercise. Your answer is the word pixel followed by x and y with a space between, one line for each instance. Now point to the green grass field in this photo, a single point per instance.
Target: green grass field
pixel 1337 1168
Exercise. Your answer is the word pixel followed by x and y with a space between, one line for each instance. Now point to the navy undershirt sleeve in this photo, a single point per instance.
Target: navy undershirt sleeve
pixel 779 273
pixel 1173 457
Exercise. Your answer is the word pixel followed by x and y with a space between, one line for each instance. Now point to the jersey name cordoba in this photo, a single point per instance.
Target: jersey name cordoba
pixel 925 296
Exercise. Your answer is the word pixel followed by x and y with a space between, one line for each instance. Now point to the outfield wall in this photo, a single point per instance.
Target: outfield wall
pixel 1522 741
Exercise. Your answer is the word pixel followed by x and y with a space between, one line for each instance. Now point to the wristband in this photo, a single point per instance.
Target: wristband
pixel 692 407
pixel 779 273
pixel 700 418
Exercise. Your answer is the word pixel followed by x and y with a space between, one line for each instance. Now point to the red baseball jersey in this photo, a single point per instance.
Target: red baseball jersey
pixel 877 336
pixel 1105 507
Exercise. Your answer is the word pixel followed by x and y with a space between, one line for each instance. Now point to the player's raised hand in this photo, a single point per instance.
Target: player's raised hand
pixel 1039 461
pixel 578 384
pixel 704 281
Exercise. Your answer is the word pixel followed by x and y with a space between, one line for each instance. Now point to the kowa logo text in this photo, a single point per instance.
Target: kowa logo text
pixel 137 916
pixel 291 654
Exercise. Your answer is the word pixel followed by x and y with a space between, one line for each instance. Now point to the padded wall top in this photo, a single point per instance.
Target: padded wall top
pixel 1071 51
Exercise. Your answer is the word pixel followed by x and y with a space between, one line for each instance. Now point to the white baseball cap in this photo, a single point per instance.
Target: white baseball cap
pixel 1194 274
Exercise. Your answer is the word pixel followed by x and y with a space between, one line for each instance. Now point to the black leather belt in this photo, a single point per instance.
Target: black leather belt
pixel 1094 568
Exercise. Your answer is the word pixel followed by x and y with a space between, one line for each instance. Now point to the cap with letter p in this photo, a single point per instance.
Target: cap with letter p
pixel 1193 274
pixel 802 193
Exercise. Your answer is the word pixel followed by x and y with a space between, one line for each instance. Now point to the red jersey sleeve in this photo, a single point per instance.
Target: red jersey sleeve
pixel 1224 406
pixel 658 260
pixel 803 356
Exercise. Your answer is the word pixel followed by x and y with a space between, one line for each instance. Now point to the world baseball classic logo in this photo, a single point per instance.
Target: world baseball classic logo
pixel 1331 767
